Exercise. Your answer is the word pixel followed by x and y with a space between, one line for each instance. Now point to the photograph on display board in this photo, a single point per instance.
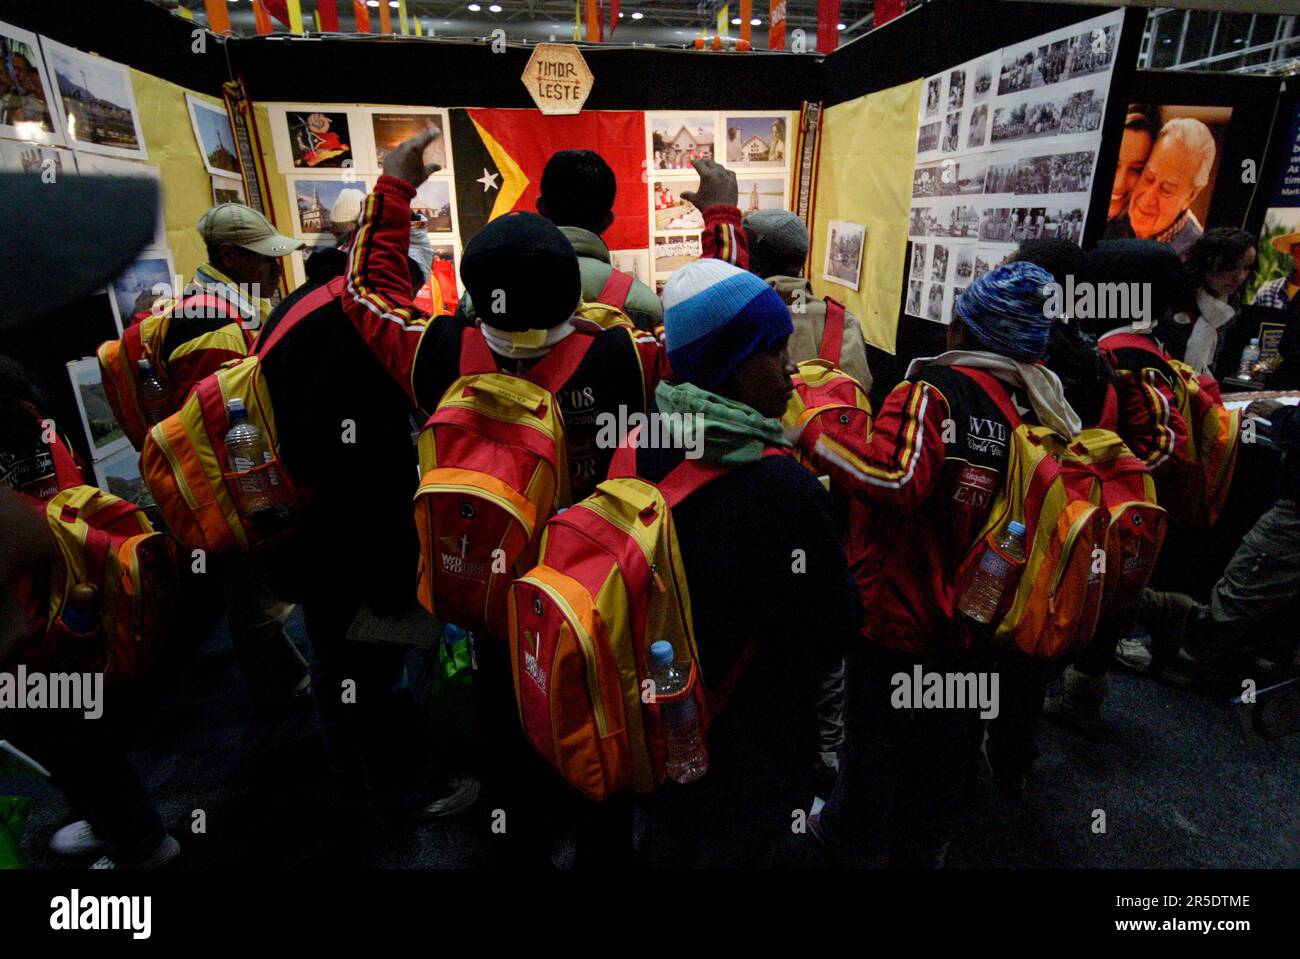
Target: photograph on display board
pixel 393 127
pixel 956 89
pixel 756 141
pixel 951 132
pixel 1164 179
pixel 933 89
pixel 318 139
pixel 23 157
pixel 102 429
pixel 950 177
pixel 26 93
pixel 1279 259
pixel 314 197
pixel 119 474
pixel 918 259
pixel 844 245
pixel 934 303
pixel 433 201
pixel 677 140
pixel 977 129
pixel 939 263
pixel 963 267
pixel 141 285
pixel 1092 51
pixel 440 295
pixel 99 111
pixel 215 138
pixel 914 291
pixel 985 260
pixel 227 190
pixel 671 211
pixel 957 291
pixel 983 83
pixel 927 137
pixel 672 252
pixel 635 262
pixel 298 258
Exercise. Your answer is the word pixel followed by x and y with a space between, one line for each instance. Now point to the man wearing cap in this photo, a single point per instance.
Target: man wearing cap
pixel 923 485
pixel 244 253
pixel 1278 294
pixel 778 247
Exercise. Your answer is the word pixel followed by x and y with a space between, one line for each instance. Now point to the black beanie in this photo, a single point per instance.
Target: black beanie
pixel 522 274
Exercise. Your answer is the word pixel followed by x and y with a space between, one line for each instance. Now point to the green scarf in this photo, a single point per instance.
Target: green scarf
pixel 734 434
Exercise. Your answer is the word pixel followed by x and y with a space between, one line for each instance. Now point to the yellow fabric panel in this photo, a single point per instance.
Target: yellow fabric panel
pixel 868 151
pixel 187 188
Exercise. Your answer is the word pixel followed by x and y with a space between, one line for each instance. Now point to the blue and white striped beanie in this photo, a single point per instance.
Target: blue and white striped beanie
pixel 716 316
pixel 1005 310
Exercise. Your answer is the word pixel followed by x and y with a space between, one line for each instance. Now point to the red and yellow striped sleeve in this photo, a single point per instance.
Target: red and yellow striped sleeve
pixel 724 237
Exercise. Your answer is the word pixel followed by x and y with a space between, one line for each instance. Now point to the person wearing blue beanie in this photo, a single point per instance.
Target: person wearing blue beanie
pixel 1005 311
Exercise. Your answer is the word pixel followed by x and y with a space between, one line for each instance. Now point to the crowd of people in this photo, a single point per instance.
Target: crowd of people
pixel 807 599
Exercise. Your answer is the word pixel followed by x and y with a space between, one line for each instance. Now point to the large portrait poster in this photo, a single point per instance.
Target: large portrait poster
pixel 1006 151
pixel 1276 282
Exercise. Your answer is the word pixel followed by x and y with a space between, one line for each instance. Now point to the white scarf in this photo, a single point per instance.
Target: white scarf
pixel 1203 344
pixel 1046 395
pixel 527 345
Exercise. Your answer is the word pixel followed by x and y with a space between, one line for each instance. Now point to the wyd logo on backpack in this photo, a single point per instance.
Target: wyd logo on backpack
pixel 609 583
pixel 1054 596
pixel 119 360
pixel 494 469
pixel 109 544
pixel 608 309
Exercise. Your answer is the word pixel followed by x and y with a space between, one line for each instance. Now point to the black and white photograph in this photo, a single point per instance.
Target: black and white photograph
pixel 983 84
pixel 213 134
pixel 1027 121
pixel 756 141
pixel 956 89
pixel 985 260
pixel 928 180
pixel 677 140
pixel 1034 175
pixel 1065 224
pixel 102 430
pixel 927 137
pixel 99 111
pixel 934 303
pixel 1093 51
pixel 950 177
pixel 1081 112
pixel 957 291
pixel 914 289
pixel 951 132
pixel 996 225
pixel 844 245
pixel 963 221
pixel 963 267
pixel 933 90
pixel 939 265
pixel 977 129
pixel 28 100
pixel 1072 172
pixel 918 258
pixel 1001 177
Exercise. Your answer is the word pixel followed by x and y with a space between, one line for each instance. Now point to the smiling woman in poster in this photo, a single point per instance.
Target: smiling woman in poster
pixel 1141 125
pixel 1175 173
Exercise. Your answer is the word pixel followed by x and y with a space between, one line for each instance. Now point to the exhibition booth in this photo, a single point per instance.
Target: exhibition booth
pixel 919 155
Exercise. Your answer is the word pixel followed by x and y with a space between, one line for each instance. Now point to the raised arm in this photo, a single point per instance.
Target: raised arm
pixel 724 237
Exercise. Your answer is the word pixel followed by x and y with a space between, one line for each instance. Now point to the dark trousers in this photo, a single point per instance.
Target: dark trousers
pixel 375 734
pixel 905 773
pixel 87 761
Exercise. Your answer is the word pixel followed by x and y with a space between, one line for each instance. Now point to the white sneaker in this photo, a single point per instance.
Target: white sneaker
pixel 77 839
pixel 165 852
pixel 460 793
pixel 1134 653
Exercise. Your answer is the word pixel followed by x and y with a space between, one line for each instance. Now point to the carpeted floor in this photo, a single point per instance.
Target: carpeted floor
pixel 1179 783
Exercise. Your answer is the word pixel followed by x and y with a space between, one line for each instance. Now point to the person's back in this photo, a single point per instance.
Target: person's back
pixel 778 246
pixel 763 561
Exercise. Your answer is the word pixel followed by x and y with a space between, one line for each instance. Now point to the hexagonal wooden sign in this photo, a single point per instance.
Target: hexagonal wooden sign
pixel 558 78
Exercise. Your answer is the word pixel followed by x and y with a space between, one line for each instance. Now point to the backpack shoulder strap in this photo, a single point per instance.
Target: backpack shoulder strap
pixel 558 366
pixel 616 289
pixel 475 355
pixel 997 392
pixel 833 333
pixel 66 471
pixel 1109 418
pixel 313 301
pixel 1130 341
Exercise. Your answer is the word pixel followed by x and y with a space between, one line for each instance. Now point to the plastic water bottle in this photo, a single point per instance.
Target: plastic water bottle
pixel 154 397
pixel 983 594
pixel 1249 357
pixel 688 757
pixel 261 495
pixel 81 614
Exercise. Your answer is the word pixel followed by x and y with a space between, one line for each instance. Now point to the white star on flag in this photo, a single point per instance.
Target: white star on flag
pixel 489 180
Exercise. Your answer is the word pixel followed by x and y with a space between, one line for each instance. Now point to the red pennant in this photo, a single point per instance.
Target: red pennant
pixel 828 25
pixel 329 15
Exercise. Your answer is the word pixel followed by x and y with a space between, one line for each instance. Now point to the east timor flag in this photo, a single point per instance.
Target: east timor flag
pixel 500 154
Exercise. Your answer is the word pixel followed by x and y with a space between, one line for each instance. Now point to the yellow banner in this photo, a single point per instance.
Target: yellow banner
pixel 724 20
pixel 401 17
pixel 868 152
pixel 295 15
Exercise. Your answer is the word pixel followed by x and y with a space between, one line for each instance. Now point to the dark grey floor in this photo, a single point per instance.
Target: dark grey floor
pixel 1179 783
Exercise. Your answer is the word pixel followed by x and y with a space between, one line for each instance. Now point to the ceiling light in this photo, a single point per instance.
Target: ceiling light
pixel 638 15
pixel 495 8
pixel 620 14
pixel 474 8
pixel 840 27
pixel 756 22
pixel 393 3
pixel 372 3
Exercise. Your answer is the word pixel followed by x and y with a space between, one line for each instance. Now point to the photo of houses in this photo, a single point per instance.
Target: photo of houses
pixel 756 141
pixel 677 140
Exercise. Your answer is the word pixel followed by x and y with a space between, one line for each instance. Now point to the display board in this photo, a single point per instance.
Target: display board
pixel 1006 151
pixel 1277 267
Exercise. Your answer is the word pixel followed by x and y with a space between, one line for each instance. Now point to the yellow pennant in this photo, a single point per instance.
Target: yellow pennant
pixel 295 15
pixel 401 18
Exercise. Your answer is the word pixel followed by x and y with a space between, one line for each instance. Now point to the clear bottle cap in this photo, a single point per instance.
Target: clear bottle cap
pixel 1016 527
pixel 144 364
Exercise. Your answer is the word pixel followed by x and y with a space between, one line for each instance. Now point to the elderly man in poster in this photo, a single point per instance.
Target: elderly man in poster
pixel 1175 174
